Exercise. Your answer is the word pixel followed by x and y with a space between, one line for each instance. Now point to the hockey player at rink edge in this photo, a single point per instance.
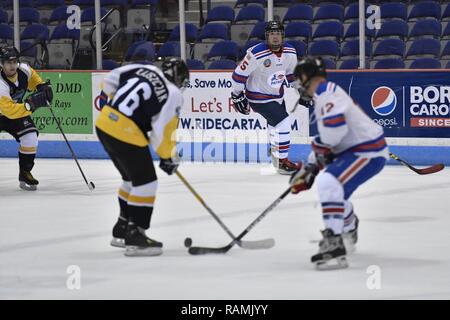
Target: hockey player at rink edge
pixel 16 79
pixel 140 99
pixel 258 84
pixel 349 149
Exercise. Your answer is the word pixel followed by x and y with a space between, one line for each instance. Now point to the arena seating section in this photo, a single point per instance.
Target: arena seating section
pixel 413 34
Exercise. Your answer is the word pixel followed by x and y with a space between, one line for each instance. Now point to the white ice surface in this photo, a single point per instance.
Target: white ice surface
pixel 404 230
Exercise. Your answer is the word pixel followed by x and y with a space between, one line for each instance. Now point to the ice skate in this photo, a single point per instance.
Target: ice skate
pixel 118 233
pixel 351 237
pixel 284 166
pixel 27 181
pixel 332 253
pixel 138 244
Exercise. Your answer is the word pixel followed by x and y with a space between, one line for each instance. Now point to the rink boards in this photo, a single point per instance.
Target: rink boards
pixel 412 106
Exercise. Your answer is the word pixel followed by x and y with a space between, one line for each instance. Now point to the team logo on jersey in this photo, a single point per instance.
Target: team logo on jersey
pixel 267 63
pixel 276 79
pixel 383 101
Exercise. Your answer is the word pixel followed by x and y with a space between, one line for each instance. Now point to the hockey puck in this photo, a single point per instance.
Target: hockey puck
pixel 188 242
pixel 91 186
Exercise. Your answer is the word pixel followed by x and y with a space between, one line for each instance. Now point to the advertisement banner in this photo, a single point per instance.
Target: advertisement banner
pixel 72 104
pixel 406 104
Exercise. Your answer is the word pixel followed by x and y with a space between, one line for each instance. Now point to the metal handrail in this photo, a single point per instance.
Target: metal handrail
pixel 91 35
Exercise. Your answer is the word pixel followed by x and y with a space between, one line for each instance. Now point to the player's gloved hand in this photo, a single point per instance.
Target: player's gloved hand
pixel 47 88
pixel 36 100
pixel 240 103
pixel 323 153
pixel 169 166
pixel 303 178
pixel 308 103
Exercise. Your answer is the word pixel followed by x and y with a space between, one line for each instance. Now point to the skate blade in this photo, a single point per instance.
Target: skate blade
pixel 27 187
pixel 332 264
pixel 284 172
pixel 135 251
pixel 118 242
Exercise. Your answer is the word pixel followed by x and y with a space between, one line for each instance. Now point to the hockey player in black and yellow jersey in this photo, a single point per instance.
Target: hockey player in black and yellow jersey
pixel 140 99
pixel 15 80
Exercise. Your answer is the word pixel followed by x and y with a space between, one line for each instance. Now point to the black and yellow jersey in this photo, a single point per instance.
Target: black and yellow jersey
pixel 141 100
pixel 13 89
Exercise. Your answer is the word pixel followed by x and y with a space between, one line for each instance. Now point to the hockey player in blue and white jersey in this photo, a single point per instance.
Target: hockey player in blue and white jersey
pixel 258 84
pixel 351 149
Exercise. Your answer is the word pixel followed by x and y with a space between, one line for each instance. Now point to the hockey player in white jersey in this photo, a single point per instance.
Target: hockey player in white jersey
pixel 258 83
pixel 351 149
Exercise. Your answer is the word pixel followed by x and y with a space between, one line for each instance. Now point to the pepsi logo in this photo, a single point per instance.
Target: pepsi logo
pixel 383 101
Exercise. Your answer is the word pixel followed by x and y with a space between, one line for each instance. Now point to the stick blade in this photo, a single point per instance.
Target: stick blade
pixel 257 244
pixel 91 186
pixel 205 250
pixel 433 169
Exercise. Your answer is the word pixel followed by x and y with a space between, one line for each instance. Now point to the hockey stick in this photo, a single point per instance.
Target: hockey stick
pixel 206 250
pixel 257 244
pixel 433 169
pixel 89 184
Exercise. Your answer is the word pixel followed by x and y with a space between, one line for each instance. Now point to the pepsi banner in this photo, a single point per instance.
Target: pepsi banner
pixel 406 104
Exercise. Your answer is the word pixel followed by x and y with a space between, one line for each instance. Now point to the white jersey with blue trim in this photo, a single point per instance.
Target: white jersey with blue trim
pixel 263 72
pixel 344 126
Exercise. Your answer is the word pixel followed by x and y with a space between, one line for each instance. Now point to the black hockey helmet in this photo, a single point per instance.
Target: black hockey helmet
pixel 176 71
pixel 274 25
pixel 309 67
pixel 8 53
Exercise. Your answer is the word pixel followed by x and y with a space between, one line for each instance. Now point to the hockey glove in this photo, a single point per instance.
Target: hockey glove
pixel 240 103
pixel 323 153
pixel 47 88
pixel 169 166
pixel 303 178
pixel 307 103
pixel 36 100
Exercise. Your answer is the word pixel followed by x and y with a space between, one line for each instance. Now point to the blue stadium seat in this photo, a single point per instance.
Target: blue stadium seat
pixel 329 64
pixel 59 15
pixel 329 29
pixel 393 28
pixel 446 13
pixel 279 3
pixel 394 10
pixel 390 47
pixel 3 16
pixel 299 12
pixel 225 49
pixel 88 14
pixel 141 50
pixel 421 47
pixel 220 14
pixel 49 3
pixel 194 64
pixel 191 33
pixel 329 12
pixel 39 32
pixel 351 48
pixel 328 48
pixel 214 31
pixel 27 49
pixel 425 63
pixel 170 49
pixel 109 64
pixel 91 3
pixel 446 32
pixel 390 63
pixel 426 9
pixel 250 14
pixel 353 31
pixel 298 30
pixel 350 64
pixel 246 46
pixel 244 3
pixel 223 64
pixel 258 32
pixel 6 32
pixel 22 3
pixel 446 51
pixel 29 15
pixel 299 46
pixel 426 28
pixel 144 2
pixel 352 12
pixel 62 32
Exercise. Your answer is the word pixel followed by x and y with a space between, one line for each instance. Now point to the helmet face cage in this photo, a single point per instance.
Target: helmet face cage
pixel 8 53
pixel 309 68
pixel 274 26
pixel 176 71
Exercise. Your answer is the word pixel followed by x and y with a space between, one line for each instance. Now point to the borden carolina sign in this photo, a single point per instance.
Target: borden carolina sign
pixel 430 106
